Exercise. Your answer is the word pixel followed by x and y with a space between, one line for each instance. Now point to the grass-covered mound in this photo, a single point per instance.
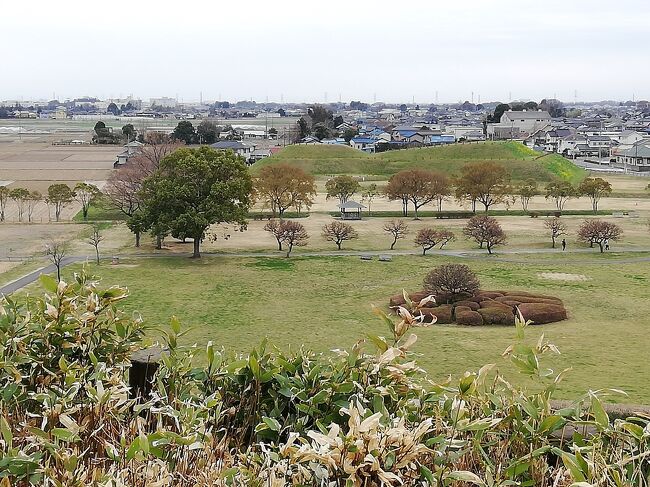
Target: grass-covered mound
pixel 522 162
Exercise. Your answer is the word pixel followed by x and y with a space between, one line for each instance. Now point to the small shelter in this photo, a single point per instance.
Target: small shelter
pixel 351 210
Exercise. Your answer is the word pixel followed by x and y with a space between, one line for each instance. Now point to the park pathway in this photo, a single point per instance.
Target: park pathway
pixel 500 256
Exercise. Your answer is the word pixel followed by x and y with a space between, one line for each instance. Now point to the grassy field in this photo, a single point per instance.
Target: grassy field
pixel 521 161
pixel 325 303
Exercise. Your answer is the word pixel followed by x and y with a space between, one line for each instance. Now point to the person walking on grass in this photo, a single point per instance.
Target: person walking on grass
pixel 563 244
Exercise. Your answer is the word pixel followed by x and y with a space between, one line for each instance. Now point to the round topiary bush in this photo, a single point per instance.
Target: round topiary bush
pixel 452 279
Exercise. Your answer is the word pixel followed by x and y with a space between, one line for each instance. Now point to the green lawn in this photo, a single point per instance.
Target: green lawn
pixel 325 303
pixel 522 162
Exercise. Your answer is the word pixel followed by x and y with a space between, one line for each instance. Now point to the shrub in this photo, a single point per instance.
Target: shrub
pixel 529 299
pixel 497 316
pixel 442 313
pixel 452 279
pixel 489 294
pixel 494 304
pixel 462 309
pixel 472 318
pixel 541 313
pixel 469 304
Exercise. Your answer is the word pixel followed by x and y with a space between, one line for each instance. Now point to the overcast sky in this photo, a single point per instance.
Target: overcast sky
pixel 304 51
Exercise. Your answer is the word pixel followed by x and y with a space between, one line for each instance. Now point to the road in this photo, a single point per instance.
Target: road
pixel 501 255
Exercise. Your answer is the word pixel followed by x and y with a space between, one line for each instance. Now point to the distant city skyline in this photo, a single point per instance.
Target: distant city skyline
pixel 294 51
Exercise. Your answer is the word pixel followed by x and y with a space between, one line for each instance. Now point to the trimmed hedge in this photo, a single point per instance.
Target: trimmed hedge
pixel 541 313
pixel 469 304
pixel 471 318
pixel 492 307
pixel 442 313
pixel 497 316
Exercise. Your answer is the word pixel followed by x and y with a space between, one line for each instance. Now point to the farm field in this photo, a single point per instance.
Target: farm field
pixel 325 302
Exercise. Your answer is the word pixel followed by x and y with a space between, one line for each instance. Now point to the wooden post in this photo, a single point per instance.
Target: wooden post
pixel 144 364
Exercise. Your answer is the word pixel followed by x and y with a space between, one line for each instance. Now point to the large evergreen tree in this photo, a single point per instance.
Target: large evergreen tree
pixel 195 188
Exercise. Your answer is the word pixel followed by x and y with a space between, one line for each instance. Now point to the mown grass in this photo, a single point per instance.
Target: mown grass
pixel 522 162
pixel 325 302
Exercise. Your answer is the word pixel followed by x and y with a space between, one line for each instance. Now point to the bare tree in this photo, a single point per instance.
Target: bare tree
pixel 599 232
pixel 294 233
pixel 486 230
pixel 398 229
pixel 486 182
pixel 56 251
pixel 428 238
pixel 95 239
pixel 124 185
pixel 276 228
pixel 338 232
pixel 556 227
pixel 453 279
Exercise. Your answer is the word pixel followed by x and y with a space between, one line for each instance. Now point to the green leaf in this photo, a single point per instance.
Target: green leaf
pixel 550 424
pixel 379 342
pixel 5 429
pixel 600 415
pixel 63 434
pixel 175 324
pixel 466 476
pixel 426 474
pixel 254 366
pixel 272 423
pixel 572 466
pixel 49 283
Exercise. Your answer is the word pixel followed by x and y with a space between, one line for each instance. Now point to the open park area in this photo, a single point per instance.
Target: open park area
pixel 244 289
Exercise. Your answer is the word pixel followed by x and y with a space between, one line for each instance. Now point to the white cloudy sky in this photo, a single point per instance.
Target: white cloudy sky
pixel 300 50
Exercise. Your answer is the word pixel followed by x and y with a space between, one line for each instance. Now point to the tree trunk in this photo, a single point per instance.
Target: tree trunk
pixel 393 244
pixel 197 248
pixel 600 244
pixel 137 239
pixel 289 250
pixel 97 254
pixel 58 272
pixel 338 244
pixel 279 244
pixel 158 242
pixel 553 239
pixel 489 248
pixel 474 206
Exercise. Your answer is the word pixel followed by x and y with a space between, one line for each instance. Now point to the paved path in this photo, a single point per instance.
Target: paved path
pixel 502 255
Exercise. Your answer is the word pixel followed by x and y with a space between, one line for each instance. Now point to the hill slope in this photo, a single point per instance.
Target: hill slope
pixel 522 162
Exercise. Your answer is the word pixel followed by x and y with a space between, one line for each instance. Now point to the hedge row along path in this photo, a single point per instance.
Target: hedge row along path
pixel 468 254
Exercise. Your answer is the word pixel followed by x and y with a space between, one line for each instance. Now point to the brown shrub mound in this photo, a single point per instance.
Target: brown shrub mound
pixel 493 307
pixel 469 304
pixel 541 313
pixel 488 294
pixel 529 294
pixel 471 318
pixel 495 304
pixel 497 316
pixel 398 299
pixel 461 309
pixel 442 313
pixel 530 299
